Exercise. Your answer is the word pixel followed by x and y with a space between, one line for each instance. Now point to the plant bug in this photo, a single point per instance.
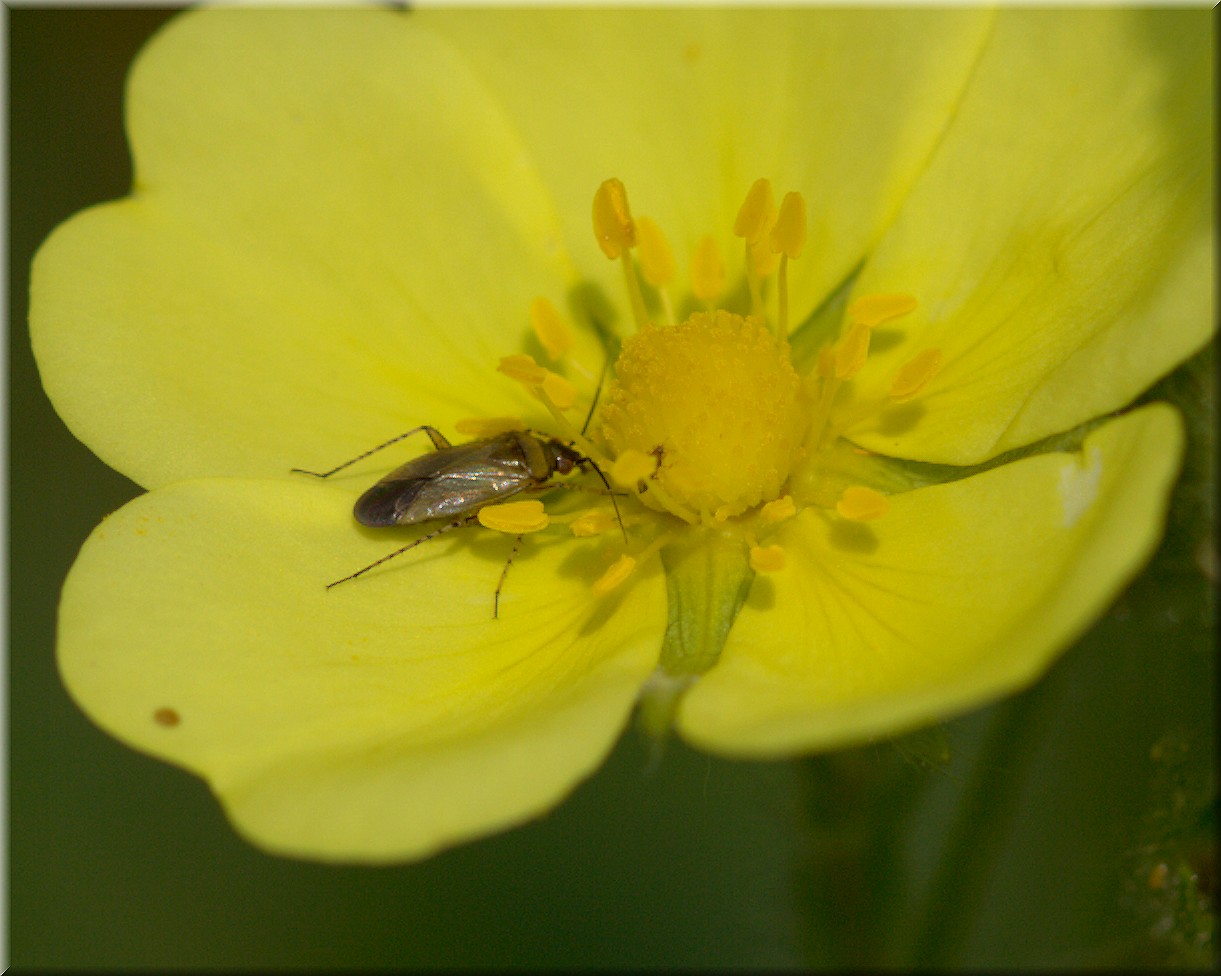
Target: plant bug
pixel 455 481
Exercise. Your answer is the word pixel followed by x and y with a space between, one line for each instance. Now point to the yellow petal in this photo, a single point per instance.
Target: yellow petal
pixel 1061 242
pixel 377 721
pixel 332 225
pixel 690 107
pixel 964 592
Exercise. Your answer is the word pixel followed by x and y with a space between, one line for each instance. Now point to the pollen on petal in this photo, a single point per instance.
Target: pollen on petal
pixel 613 577
pixel 873 310
pixel 656 259
pixel 487 426
pixel 707 270
pixel 522 368
pixel 550 328
pixel 861 504
pixel 756 212
pixel 852 351
pixel 789 234
pixel 614 229
pixel 914 374
pixel 766 559
pixel 515 518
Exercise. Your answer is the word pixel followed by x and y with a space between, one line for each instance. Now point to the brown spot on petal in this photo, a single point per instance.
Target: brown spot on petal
pixel 167 717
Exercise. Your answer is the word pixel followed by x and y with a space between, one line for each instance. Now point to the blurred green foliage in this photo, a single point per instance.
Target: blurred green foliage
pixel 1073 825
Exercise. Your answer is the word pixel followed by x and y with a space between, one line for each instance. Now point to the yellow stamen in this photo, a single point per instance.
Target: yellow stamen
pixel 552 331
pixel 631 467
pixel 861 504
pixel 487 426
pixel 779 510
pixel 826 362
pixel 619 571
pixel 614 229
pixel 852 351
pixel 873 310
pixel 515 518
pixel 656 258
pixel 707 270
pixel 789 234
pixel 762 260
pixel 915 373
pixel 522 368
pixel 596 521
pixel 756 212
pixel 766 559
pixel 558 390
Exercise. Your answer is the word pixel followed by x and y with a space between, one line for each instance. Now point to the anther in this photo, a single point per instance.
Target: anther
pixel 778 510
pixel 514 518
pixel 656 258
pixel 550 329
pixel 619 571
pixel 523 368
pixel 766 559
pixel 861 504
pixel 558 390
pixel 631 467
pixel 788 238
pixel 707 271
pixel 873 310
pixel 756 212
pixel 914 374
pixel 613 226
pixel 852 352
pixel 596 521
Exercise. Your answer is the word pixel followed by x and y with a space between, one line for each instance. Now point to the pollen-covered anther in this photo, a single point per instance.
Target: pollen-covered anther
pixel 789 234
pixel 614 228
pixel 852 351
pixel 523 368
pixel 653 251
pixel 757 212
pixel 631 467
pixel 720 397
pixel 861 504
pixel 596 521
pixel 619 571
pixel 873 310
pixel 515 518
pixel 558 390
pixel 778 510
pixel 707 270
pixel 550 328
pixel 766 559
pixel 915 374
pixel 487 426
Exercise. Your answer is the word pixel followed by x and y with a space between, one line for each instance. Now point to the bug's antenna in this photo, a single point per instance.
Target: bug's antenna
pixel 593 404
pixel 610 491
pixel 437 438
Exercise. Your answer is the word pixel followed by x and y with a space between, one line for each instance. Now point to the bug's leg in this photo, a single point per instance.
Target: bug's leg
pixel 437 438
pixel 468 520
pixel 503 573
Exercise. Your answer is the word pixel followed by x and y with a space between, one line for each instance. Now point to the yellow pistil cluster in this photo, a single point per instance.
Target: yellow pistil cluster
pixel 706 419
pixel 715 404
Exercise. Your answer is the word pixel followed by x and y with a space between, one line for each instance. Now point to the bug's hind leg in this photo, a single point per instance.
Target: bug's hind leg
pixel 438 441
pixel 503 573
pixel 457 524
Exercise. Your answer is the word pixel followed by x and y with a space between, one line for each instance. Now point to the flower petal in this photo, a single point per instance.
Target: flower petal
pixel 379 720
pixel 963 592
pixel 333 237
pixel 1061 242
pixel 689 107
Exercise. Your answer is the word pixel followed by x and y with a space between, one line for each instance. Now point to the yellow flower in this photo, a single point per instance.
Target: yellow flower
pixel 344 221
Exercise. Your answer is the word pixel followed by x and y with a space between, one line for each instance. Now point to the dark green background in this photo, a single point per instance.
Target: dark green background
pixel 1035 844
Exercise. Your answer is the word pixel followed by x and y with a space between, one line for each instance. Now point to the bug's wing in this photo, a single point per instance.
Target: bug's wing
pixel 446 483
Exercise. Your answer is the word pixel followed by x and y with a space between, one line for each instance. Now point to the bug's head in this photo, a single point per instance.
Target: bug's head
pixel 564 457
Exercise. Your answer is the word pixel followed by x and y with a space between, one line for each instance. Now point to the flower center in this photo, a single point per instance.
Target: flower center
pixel 716 401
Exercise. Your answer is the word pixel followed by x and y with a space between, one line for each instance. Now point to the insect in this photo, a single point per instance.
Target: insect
pixel 455 481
